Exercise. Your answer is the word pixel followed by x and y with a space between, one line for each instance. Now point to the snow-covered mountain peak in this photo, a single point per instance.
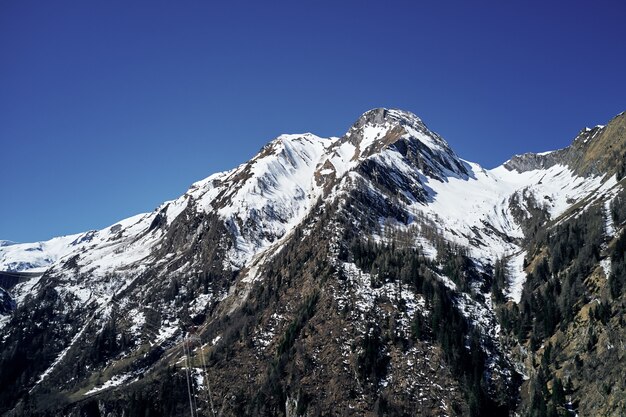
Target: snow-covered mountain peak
pixel 380 129
pixel 376 125
pixel 261 200
pixel 381 116
pixel 287 141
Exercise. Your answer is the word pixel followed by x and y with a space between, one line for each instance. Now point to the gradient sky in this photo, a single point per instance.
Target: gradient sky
pixel 108 108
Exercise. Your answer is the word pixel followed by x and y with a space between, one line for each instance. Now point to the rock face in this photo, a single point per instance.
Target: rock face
pixel 372 274
pixel 7 304
pixel 595 151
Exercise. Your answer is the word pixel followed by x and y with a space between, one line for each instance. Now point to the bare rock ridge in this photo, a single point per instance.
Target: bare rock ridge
pixel 594 151
pixel 408 134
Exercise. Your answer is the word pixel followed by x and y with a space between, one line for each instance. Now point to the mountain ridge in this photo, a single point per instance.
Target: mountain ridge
pixel 380 235
pixel 588 146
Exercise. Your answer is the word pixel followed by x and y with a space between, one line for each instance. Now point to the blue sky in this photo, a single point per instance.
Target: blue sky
pixel 108 108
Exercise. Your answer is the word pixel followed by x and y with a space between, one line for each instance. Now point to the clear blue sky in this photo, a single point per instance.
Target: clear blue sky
pixel 108 108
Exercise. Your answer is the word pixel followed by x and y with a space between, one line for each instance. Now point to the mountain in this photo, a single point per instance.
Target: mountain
pixel 376 273
pixel 38 256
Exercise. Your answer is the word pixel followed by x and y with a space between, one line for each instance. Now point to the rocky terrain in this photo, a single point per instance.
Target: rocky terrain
pixel 376 273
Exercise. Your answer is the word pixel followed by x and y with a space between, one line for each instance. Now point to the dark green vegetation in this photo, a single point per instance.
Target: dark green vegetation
pixel 252 379
pixel 571 313
pixel 445 325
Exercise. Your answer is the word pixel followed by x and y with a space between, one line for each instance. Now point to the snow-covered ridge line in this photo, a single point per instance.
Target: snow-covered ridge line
pixel 17 257
pixel 262 200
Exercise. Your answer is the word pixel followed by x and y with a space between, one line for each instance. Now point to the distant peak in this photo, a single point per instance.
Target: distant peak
pixel 288 140
pixel 595 151
pixel 297 136
pixel 382 126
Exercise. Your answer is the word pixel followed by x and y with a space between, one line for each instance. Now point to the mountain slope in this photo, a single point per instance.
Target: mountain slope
pixel 369 273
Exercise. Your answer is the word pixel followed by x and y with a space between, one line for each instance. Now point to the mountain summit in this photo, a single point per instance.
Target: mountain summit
pixel 380 128
pixel 376 273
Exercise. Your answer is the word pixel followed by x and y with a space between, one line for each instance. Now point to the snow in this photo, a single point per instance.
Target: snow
pixel 199 304
pixel 18 294
pixel 21 290
pixel 516 276
pixel 606 266
pixel 60 357
pixel 371 133
pixel 166 332
pixel 138 318
pixel 110 255
pixel 277 191
pixel 461 206
pixel 108 249
pixel 113 382
pixel 438 146
pixel 39 256
pixel 199 378
pixel 556 187
pixel 609 230
pixel 609 226
pixel 426 248
pixel 175 207
pixel 35 256
pixel 447 282
pixel 464 205
pixel 205 191
pixel 343 158
pixel 359 283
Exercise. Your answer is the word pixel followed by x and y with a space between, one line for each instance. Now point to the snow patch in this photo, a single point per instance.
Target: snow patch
pixel 516 276
pixel 113 382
